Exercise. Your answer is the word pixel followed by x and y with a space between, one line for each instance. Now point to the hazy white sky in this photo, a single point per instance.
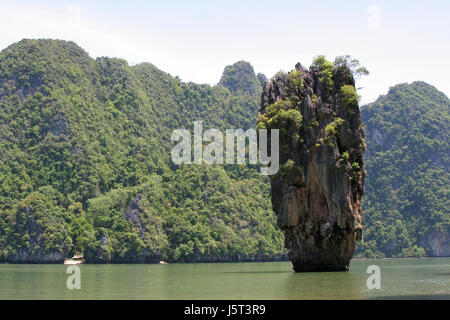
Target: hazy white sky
pixel 398 41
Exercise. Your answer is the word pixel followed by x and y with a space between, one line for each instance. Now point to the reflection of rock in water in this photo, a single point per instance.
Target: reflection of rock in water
pixel 316 194
pixel 325 285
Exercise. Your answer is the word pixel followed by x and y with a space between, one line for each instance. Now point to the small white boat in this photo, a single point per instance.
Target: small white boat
pixel 76 259
pixel 72 262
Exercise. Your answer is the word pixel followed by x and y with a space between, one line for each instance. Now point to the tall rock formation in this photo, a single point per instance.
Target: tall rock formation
pixel 316 193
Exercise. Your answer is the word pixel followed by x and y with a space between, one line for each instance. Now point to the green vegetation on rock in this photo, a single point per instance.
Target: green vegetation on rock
pixel 325 67
pixel 350 98
pixel 85 162
pixel 241 77
pixel 406 206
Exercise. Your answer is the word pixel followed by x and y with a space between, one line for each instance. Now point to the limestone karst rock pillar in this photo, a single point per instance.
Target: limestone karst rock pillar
pixel 317 191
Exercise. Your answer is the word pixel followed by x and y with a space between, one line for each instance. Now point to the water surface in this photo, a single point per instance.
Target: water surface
pixel 400 278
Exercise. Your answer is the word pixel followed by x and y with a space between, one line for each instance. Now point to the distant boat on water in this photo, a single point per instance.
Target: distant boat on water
pixel 76 259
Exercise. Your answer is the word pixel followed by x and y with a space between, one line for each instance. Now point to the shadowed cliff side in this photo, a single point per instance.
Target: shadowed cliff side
pixel 316 193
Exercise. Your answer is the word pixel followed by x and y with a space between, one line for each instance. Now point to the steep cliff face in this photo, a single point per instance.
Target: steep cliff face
pixel 316 193
pixel 437 242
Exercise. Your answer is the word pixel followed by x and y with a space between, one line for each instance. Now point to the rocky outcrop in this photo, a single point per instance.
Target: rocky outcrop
pixel 27 256
pixel 437 243
pixel 262 79
pixel 133 214
pixel 317 192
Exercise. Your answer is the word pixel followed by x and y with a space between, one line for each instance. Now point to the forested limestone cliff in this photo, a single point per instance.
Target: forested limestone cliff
pixel 317 193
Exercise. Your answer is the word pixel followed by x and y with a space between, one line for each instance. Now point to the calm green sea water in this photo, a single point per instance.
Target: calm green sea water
pixel 400 278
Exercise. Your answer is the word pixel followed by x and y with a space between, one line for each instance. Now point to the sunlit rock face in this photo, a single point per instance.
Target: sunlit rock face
pixel 317 191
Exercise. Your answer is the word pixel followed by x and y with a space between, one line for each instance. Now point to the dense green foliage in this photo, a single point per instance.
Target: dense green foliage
pixel 39 224
pixel 85 162
pixel 350 98
pixel 407 188
pixel 96 133
pixel 325 67
pixel 241 77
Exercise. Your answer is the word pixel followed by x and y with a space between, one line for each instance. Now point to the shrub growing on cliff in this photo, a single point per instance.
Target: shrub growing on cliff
pixel 281 114
pixel 353 65
pixel 326 69
pixel 350 98
pixel 274 108
pixel 295 77
pixel 331 131
pixel 293 116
